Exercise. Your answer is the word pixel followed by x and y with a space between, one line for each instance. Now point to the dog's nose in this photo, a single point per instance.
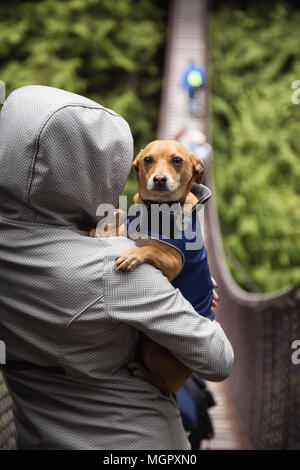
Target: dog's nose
pixel 159 180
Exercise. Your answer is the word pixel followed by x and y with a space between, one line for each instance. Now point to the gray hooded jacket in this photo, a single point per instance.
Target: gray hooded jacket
pixel 62 305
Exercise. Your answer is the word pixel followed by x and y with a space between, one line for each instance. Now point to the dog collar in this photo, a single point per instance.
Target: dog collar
pixel 149 202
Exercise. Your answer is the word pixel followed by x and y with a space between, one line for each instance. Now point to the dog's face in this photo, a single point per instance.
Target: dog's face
pixel 166 170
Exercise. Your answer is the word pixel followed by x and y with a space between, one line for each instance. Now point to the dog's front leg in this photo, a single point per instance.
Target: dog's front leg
pixel 168 264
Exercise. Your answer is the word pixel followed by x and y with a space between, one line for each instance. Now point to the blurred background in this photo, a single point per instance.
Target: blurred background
pixel 114 52
pixel 255 53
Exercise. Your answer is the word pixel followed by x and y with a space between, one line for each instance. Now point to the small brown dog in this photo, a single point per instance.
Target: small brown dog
pixel 165 170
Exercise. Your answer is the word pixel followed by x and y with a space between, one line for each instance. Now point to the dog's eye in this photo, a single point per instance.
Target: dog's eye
pixel 176 160
pixel 148 160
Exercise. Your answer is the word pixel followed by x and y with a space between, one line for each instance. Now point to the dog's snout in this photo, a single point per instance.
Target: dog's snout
pixel 159 179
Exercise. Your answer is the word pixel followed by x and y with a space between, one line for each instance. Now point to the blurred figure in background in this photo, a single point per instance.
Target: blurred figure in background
pixel 195 140
pixel 193 79
pixel 193 400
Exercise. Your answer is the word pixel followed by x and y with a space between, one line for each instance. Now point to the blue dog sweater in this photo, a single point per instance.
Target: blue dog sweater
pixel 194 280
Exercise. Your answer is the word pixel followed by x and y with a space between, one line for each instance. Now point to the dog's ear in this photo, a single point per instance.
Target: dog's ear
pixel 198 167
pixel 136 162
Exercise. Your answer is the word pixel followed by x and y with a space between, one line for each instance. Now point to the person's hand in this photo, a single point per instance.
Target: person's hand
pixel 215 297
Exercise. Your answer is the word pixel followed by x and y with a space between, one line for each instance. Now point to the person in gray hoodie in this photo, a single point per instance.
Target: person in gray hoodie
pixel 70 322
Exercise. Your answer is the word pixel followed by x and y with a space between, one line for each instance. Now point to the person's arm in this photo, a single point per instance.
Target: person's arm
pixel 215 296
pixel 145 300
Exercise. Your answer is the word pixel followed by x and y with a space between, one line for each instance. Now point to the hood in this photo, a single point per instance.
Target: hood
pixel 61 156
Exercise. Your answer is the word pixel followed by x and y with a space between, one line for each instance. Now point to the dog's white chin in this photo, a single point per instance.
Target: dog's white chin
pixel 167 196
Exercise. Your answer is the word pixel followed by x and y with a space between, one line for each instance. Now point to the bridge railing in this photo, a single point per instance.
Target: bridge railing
pixel 265 381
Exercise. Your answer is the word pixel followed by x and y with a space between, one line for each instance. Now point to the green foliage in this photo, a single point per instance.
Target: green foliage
pixel 108 50
pixel 255 60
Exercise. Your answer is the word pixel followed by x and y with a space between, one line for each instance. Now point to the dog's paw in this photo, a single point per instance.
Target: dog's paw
pixel 128 260
pixel 115 226
pixel 93 233
pixel 138 370
pixel 104 230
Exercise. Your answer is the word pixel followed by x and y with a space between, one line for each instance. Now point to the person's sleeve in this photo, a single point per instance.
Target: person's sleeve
pixel 145 300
